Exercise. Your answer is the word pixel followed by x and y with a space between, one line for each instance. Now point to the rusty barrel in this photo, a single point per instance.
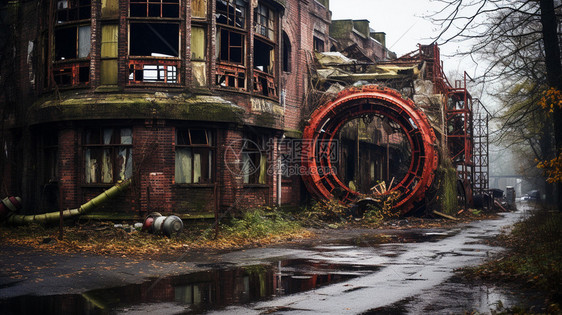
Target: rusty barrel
pixel 158 224
pixel 8 205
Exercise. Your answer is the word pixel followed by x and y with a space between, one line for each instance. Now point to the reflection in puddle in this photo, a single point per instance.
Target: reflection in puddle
pixel 196 292
pixel 458 297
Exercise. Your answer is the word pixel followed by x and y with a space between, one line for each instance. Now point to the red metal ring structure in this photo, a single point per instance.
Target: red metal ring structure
pixel 325 122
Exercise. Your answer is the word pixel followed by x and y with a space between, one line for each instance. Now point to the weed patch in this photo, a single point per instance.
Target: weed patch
pixel 533 256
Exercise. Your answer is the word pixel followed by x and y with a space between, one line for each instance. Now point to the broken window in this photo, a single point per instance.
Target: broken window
pixel 254 159
pixel 72 10
pixel 199 8
pixel 194 156
pixel 231 48
pixel 318 44
pixel 264 65
pixel 231 12
pixel 155 8
pixel 286 51
pixel 231 53
pixel 146 72
pixel 72 73
pixel 264 21
pixel 154 39
pixel 72 42
pixel 159 40
pixel 231 71
pixel 107 155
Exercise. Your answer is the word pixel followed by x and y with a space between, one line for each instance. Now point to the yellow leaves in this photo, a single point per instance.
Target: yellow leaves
pixel 551 99
pixel 552 169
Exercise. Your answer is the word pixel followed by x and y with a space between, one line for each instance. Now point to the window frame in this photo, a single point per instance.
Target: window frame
pixel 150 4
pixel 264 12
pixel 68 72
pixel 227 14
pixel 99 149
pixel 258 177
pixel 207 162
pixel 143 64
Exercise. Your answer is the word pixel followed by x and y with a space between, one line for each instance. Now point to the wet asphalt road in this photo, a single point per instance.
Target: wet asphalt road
pixel 413 277
pixel 407 271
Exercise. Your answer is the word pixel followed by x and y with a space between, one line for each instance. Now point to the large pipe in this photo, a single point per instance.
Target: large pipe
pixel 19 219
pixel 326 122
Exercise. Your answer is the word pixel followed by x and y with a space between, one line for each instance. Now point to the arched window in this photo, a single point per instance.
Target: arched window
pixel 286 51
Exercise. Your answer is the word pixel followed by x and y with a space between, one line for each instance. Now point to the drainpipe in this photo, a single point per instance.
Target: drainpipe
pixel 19 219
pixel 279 170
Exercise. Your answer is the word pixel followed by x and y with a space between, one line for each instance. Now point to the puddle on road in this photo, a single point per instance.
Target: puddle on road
pixel 458 297
pixel 196 292
pixel 367 240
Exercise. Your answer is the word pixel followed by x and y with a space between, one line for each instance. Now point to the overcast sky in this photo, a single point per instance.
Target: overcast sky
pixel 404 24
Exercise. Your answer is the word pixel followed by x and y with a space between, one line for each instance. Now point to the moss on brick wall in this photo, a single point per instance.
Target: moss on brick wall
pixel 135 106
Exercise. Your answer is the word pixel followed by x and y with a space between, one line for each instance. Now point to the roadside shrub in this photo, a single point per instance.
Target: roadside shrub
pixel 533 256
pixel 259 223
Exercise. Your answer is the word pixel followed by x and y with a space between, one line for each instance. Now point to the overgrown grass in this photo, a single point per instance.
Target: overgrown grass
pixel 533 256
pixel 261 223
pixel 254 228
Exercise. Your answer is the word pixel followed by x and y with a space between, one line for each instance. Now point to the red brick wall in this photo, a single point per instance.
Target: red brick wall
pixel 69 168
pixel 154 164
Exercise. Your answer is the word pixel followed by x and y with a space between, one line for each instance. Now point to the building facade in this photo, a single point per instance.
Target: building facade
pixel 201 103
pixel 189 98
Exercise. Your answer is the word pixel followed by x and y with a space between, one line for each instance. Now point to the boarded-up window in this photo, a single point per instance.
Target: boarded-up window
pixel 199 8
pixel 107 155
pixel 194 156
pixel 109 41
pixel 109 8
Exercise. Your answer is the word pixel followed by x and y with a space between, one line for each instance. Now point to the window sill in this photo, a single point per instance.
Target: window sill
pixel 256 186
pixel 101 185
pixel 181 185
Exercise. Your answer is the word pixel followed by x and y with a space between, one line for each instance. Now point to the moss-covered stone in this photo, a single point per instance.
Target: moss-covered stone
pixel 447 192
pixel 135 106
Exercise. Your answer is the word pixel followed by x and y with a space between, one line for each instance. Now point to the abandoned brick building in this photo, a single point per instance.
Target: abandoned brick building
pixel 165 92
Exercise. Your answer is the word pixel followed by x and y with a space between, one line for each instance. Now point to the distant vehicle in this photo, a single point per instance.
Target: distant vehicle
pixel 532 195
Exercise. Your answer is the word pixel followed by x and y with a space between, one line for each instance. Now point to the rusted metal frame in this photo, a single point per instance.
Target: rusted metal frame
pixel 350 115
pixel 328 113
pixel 272 89
pixel 74 71
pixel 231 70
pixel 139 63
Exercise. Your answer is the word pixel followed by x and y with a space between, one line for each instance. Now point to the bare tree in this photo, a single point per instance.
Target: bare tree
pixel 518 42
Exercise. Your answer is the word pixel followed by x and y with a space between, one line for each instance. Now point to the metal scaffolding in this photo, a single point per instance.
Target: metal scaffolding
pixel 481 147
